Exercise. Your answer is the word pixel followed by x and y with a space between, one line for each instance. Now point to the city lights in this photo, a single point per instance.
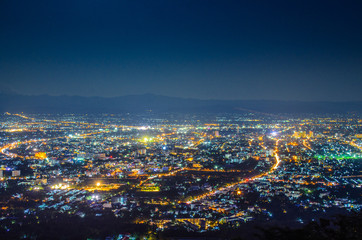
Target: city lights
pixel 182 173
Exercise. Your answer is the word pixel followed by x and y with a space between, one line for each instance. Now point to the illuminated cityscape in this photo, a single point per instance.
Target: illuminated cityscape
pixel 200 173
pixel 180 120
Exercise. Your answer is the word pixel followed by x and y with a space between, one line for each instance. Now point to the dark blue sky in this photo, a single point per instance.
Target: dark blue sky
pixel 289 50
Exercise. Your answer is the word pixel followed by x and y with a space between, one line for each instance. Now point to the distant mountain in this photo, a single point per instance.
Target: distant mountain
pixel 140 103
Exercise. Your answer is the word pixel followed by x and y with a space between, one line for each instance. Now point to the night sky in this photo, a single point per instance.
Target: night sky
pixel 287 50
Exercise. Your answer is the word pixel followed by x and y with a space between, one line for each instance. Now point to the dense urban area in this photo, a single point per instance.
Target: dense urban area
pixel 144 176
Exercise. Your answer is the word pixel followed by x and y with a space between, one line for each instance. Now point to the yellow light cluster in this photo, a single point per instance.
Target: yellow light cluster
pixel 60 186
pixel 40 155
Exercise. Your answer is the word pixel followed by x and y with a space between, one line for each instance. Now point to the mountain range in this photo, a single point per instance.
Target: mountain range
pixel 11 102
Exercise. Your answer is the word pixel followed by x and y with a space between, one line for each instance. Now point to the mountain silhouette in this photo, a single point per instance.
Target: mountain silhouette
pixel 11 102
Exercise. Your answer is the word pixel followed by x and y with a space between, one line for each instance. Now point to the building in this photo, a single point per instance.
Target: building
pixel 16 173
pixel 141 151
pixel 100 156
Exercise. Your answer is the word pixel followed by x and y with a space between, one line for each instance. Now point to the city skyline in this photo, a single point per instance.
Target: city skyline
pixel 180 119
pixel 171 176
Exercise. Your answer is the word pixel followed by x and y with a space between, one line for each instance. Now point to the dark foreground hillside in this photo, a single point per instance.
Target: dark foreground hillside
pixel 108 227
